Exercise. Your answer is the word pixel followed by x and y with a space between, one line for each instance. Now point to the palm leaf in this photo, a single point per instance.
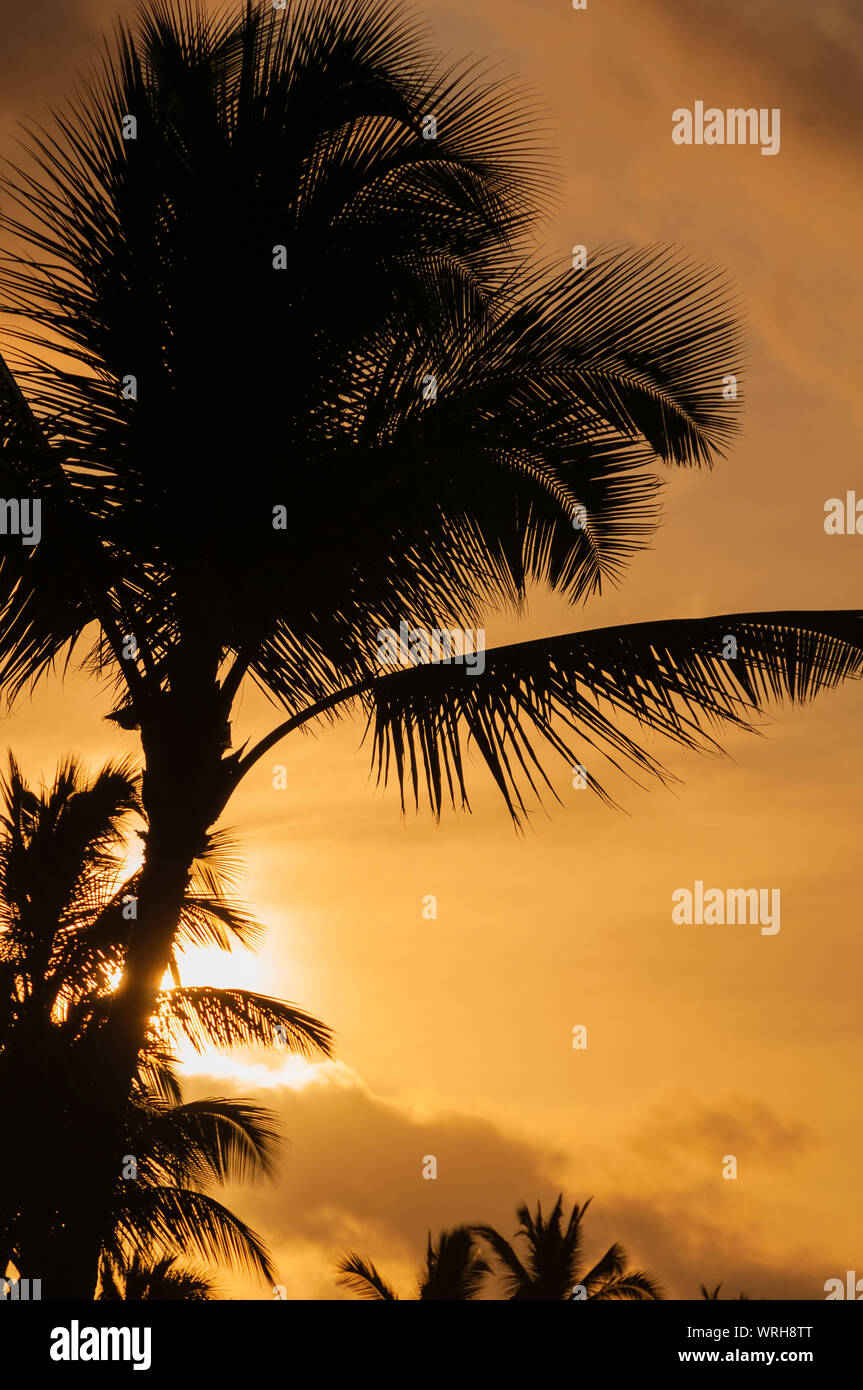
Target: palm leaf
pixel 631 1286
pixel 513 1274
pixel 234 1018
pixel 609 1266
pixel 671 677
pixel 135 1280
pixel 163 1218
pixel 454 1267
pixel 363 1279
pixel 205 1141
pixel 210 919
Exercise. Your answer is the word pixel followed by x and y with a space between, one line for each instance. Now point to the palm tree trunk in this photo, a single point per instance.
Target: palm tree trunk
pixel 163 883
pixel 183 795
pixel 185 788
pixel 85 1176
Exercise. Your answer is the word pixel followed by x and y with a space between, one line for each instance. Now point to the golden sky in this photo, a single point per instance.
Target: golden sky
pixel 454 1035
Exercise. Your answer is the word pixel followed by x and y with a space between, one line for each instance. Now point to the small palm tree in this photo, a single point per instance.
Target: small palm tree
pixel 64 904
pixel 713 1294
pixel 552 1269
pixel 454 1269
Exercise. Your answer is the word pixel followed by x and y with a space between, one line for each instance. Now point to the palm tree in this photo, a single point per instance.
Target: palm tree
pixel 553 1265
pixel 64 901
pixel 454 1269
pixel 138 1281
pixel 311 385
pixel 713 1294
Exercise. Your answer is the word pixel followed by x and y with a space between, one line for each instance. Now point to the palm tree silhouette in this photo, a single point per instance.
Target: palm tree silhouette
pixel 138 1281
pixel 63 930
pixel 553 1264
pixel 312 384
pixel 454 1269
pixel 713 1294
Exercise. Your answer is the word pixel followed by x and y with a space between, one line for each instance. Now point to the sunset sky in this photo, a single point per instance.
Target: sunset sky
pixel 454 1035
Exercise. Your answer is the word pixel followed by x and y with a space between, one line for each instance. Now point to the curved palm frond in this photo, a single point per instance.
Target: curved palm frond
pixel 158 1078
pixel 155 1219
pixel 208 918
pixel 211 1140
pixel 512 1273
pixel 235 1018
pixel 671 677
pixel 363 1279
pixel 609 1267
pixel 631 1286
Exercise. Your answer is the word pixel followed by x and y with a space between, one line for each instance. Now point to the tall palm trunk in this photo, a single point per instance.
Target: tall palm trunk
pixel 185 787
pixel 184 791
pixel 163 883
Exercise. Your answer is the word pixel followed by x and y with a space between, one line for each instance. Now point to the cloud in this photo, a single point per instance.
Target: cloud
pixel 740 1125
pixel 352 1179
pixel 697 1227
pixel 688 1249
pixel 815 51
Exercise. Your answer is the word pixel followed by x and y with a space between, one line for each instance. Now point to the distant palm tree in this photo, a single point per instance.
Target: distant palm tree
pixel 454 1269
pixel 296 382
pixel 64 903
pixel 553 1267
pixel 713 1294
pixel 138 1281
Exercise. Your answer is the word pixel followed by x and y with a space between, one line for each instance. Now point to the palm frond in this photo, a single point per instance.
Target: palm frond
pixel 234 1018
pixel 631 1286
pixel 671 677
pixel 159 1219
pixel 609 1266
pixel 363 1279
pixel 211 1140
pixel 157 1076
pixel 208 918
pixel 165 1280
pixel 455 1269
pixel 512 1272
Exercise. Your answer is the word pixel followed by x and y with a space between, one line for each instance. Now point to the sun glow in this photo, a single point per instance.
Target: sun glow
pixel 237 969
pixel 279 1072
pixel 254 1067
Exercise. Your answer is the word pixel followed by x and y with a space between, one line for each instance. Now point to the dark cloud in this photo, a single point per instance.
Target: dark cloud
pixel 685 1249
pixel 813 52
pixel 747 1128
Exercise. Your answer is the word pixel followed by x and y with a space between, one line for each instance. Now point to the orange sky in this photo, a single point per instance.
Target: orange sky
pixel 454 1035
